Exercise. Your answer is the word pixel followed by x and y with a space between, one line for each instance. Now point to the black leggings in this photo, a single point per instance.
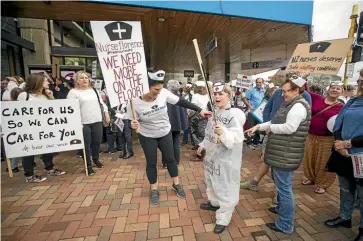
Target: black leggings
pixel 150 145
pixel 92 135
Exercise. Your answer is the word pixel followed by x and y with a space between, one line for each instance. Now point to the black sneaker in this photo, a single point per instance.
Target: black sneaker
pixel 90 171
pixel 179 190
pixel 35 179
pixel 128 155
pixel 154 196
pixel 109 152
pixel 98 164
pixel 56 172
pixel 208 206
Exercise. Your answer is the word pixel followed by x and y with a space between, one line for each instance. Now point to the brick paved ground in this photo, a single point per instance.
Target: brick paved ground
pixel 114 205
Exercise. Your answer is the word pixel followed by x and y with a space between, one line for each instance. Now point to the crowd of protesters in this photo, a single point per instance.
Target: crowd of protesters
pixel 297 126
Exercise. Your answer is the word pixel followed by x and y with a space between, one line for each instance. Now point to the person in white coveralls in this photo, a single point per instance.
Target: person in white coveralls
pixel 223 144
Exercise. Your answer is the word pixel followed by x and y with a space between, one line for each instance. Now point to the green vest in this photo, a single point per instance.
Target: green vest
pixel 287 151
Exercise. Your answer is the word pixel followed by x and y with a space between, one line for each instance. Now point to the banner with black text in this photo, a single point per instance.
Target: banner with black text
pixel 39 127
pixel 120 51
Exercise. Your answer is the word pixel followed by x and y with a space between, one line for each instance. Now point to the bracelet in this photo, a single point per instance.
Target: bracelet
pixel 348 144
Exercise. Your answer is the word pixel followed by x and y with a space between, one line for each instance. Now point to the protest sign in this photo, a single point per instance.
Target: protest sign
pixel 258 112
pixel 324 57
pixel 120 51
pixel 39 127
pixel 243 81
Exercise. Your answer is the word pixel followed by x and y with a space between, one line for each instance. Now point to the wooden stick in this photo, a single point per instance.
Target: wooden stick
pixel 199 57
pixel 133 113
pixel 85 161
pixel 9 167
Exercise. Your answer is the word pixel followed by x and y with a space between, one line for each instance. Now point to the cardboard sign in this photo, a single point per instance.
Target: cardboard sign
pixel 243 81
pixel 38 127
pixel 120 51
pixel 357 160
pixel 324 57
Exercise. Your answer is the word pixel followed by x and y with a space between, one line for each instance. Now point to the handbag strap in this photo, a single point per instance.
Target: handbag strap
pixel 98 98
pixel 325 109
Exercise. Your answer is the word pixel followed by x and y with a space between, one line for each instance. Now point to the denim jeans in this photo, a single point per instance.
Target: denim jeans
pixel 186 136
pixel 111 138
pixel 14 162
pixel 125 137
pixel 285 199
pixel 348 198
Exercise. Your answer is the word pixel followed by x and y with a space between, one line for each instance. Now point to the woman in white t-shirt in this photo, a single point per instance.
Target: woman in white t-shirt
pixel 36 89
pixel 152 122
pixel 90 102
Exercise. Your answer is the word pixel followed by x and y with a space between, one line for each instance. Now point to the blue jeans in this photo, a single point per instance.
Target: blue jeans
pixel 125 138
pixel 111 138
pixel 14 162
pixel 348 198
pixel 285 199
pixel 186 136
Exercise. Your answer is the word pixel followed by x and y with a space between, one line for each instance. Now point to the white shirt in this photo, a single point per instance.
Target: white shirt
pixel 89 105
pixel 343 98
pixel 200 101
pixel 23 95
pixel 295 116
pixel 153 116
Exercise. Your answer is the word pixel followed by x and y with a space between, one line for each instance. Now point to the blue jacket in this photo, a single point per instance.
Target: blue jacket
pixel 350 122
pixel 275 102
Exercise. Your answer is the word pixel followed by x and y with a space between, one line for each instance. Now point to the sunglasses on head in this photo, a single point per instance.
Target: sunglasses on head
pixel 337 83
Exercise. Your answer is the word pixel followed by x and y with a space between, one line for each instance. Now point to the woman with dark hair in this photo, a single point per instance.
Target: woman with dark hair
pixel 178 121
pixel 60 90
pixel 348 134
pixel 36 89
pixel 153 125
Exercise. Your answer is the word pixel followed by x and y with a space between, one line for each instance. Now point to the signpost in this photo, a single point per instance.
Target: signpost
pixel 189 73
pixel 264 64
pixel 324 57
pixel 350 70
pixel 210 46
pixel 120 51
pixel 38 127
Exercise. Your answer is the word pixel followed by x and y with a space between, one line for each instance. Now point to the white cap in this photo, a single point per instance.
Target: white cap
pixel 271 85
pixel 200 83
pixel 298 80
pixel 189 85
pixel 157 76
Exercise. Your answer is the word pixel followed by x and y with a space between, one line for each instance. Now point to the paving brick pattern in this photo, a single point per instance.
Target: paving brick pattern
pixel 114 205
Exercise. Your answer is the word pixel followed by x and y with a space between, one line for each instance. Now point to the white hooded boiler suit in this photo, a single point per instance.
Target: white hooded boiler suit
pixel 223 161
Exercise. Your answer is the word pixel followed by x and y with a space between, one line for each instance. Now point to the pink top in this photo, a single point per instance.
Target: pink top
pixel 318 124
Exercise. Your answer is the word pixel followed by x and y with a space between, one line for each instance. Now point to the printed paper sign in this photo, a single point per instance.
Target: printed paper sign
pixel 120 51
pixel 38 127
pixel 324 57
pixel 357 160
pixel 243 81
pixel 258 112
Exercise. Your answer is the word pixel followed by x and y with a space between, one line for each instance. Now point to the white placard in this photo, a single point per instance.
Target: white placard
pixel 68 74
pixel 243 81
pixel 98 84
pixel 120 51
pixel 357 160
pixel 350 70
pixel 38 127
pixel 258 112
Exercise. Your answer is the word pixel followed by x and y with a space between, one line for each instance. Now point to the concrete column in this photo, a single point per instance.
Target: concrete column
pixel 227 72
pixel 35 30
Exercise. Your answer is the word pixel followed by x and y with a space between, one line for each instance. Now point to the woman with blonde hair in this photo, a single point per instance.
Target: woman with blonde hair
pixel 222 144
pixel 36 89
pixel 93 112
